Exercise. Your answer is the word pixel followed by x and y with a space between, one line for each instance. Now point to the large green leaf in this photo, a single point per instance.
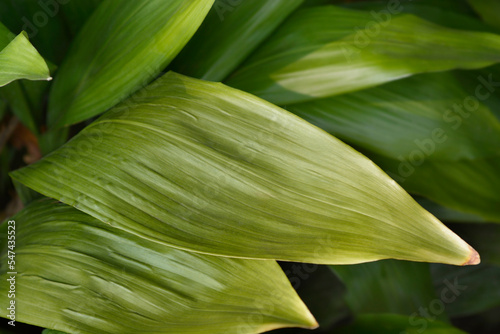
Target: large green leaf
pixel 325 51
pixel 430 134
pixel 78 275
pixel 201 166
pixel 396 324
pixel 231 31
pixel 390 286
pixel 122 47
pixel 19 59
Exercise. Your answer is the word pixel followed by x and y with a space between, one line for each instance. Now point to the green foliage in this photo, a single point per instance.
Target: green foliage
pixel 168 212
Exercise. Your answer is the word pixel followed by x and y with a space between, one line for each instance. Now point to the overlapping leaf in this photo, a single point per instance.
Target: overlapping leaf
pixel 19 59
pixel 231 31
pixel 122 46
pixel 78 275
pixel 430 134
pixel 325 51
pixel 208 168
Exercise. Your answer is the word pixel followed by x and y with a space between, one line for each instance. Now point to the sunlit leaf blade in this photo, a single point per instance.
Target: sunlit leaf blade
pixel 325 51
pixel 431 135
pixel 122 47
pixel 78 275
pixel 19 59
pixel 468 291
pixel 231 31
pixel 488 10
pixel 396 324
pixel 205 167
pixel 390 286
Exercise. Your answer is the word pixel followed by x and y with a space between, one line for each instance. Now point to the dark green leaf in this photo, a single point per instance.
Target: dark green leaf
pixel 489 10
pixel 396 324
pixel 122 47
pixel 326 51
pixel 388 287
pixel 231 31
pixel 467 291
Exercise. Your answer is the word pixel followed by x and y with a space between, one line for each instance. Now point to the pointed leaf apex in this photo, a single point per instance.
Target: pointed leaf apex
pixel 473 259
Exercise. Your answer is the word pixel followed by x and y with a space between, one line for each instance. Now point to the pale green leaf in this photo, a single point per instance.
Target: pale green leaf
pixel 325 51
pixel 122 47
pixel 396 324
pixel 428 133
pixel 78 275
pixel 390 286
pixel 204 167
pixel 19 59
pixel 231 31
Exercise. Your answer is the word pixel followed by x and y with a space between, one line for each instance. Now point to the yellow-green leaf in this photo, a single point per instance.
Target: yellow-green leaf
pixel 200 166
pixel 19 59
pixel 78 275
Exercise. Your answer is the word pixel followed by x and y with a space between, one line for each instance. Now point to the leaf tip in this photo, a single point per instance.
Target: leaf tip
pixel 473 258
